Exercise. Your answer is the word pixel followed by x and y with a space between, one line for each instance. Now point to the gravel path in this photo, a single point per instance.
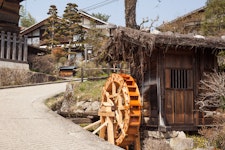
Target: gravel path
pixel 27 124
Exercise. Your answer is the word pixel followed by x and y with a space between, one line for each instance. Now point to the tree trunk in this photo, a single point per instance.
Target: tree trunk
pixel 130 13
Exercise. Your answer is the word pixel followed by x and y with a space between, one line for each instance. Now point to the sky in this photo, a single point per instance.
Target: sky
pixel 165 10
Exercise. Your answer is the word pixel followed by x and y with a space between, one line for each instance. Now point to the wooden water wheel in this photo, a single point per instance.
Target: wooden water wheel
pixel 120 111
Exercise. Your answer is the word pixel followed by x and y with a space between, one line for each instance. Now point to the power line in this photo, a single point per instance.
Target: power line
pixel 98 5
pixel 94 5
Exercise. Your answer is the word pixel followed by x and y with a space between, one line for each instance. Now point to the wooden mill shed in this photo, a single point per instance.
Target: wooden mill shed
pixel 167 68
pixel 9 15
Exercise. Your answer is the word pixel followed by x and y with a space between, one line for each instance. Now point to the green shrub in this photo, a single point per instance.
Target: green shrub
pixel 199 141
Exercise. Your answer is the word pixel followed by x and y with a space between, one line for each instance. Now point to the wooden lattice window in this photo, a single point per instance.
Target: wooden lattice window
pixel 179 78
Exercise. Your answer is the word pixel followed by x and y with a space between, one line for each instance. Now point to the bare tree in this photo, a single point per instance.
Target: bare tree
pixel 211 93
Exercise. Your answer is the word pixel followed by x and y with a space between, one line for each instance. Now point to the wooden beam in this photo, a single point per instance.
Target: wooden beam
pixel 10 17
pixel 100 127
pixel 10 6
pixel 1 3
pixel 93 124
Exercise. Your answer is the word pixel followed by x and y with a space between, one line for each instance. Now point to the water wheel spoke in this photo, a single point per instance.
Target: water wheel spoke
pixel 108 98
pixel 120 88
pixel 120 101
pixel 120 122
pixel 113 89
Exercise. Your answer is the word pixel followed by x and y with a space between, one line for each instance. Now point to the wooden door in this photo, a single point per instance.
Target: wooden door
pixel 179 89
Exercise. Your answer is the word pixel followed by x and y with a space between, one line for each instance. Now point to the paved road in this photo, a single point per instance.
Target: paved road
pixel 27 124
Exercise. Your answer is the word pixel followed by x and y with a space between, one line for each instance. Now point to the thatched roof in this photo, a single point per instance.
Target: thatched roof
pixel 135 46
pixel 126 39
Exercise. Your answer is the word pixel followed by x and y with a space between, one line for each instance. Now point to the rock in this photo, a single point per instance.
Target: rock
pixel 94 106
pixel 181 135
pixel 155 144
pixel 158 135
pixel 170 134
pixel 78 111
pixel 199 37
pixel 80 103
pixel 208 148
pixel 86 105
pixel 181 143
pixel 153 134
pixel 68 98
pixel 74 107
pixel 223 37
pixel 171 140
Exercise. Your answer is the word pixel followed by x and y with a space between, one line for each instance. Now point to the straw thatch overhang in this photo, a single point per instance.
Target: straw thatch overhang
pixel 137 47
pixel 127 41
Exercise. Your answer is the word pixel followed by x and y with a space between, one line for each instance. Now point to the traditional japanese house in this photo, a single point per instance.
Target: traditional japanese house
pixel 36 31
pixel 186 24
pixel 13 49
pixel 168 69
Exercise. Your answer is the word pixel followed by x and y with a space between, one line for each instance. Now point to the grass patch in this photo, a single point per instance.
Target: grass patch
pixel 199 141
pixel 89 90
pixel 55 102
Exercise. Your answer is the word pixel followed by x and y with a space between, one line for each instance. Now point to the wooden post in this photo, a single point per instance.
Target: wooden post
pixel 2 44
pixel 137 145
pixel 108 70
pixel 102 132
pixel 25 49
pixel 82 74
pixel 14 47
pixel 20 49
pixel 110 131
pixel 161 120
pixel 8 49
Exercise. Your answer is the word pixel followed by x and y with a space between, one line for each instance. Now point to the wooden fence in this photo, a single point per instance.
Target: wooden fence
pixel 108 71
pixel 13 47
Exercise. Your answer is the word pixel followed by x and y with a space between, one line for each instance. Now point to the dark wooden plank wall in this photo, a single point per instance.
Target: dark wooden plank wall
pixel 9 15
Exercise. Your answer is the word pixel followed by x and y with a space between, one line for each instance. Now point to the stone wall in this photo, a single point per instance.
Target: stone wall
pixel 14 65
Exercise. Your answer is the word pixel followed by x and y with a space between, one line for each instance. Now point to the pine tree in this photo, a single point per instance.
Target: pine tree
pixel 100 16
pixel 26 19
pixel 51 34
pixel 214 20
pixel 70 28
pixel 96 39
